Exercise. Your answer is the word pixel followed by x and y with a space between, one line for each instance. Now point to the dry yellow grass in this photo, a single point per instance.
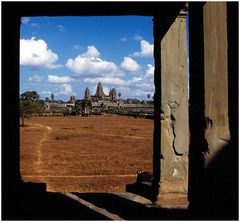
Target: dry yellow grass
pixel 85 154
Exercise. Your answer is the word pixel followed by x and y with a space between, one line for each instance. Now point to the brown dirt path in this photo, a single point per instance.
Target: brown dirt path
pixel 32 138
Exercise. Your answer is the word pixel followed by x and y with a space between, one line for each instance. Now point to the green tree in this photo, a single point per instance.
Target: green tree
pixel 30 95
pixel 76 109
pixel 29 103
pixel 47 100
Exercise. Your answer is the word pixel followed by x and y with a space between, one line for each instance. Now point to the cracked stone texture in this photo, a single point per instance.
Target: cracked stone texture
pixel 174 123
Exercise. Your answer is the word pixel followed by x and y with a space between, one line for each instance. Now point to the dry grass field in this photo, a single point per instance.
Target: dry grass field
pixel 85 154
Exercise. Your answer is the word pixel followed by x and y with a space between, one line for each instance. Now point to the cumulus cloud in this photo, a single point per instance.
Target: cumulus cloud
pixel 106 80
pixel 130 65
pixel 139 86
pixel 135 80
pixel 91 52
pixel 150 71
pixel 35 54
pixel 89 64
pixel 59 79
pixel 35 79
pixel 146 50
pixel 65 89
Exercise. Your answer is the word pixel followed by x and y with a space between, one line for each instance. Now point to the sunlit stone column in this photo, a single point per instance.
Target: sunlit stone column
pixel 174 109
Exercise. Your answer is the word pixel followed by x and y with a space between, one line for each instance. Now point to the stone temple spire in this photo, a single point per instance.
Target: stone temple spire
pixel 99 92
pixel 113 93
pixel 87 93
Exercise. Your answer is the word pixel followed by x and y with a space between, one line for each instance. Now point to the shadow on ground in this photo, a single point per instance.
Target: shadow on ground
pixel 34 203
pixel 131 210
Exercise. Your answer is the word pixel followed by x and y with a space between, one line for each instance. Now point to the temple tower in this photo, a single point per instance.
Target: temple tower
pixel 87 93
pixel 99 92
pixel 113 94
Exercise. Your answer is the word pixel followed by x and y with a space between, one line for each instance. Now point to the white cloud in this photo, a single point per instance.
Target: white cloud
pixel 61 28
pixel 139 86
pixel 130 65
pixel 62 90
pixel 129 92
pixel 89 64
pixel 135 80
pixel 35 79
pixel 59 79
pixel 25 20
pixel 35 54
pixel 138 37
pixel 106 80
pixel 91 52
pixel 140 83
pixel 146 50
pixel 106 90
pixel 150 71
pixel 65 89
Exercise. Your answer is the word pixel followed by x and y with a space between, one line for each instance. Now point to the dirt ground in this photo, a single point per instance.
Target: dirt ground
pixel 85 154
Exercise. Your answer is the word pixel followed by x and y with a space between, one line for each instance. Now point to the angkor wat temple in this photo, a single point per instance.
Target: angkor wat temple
pixel 99 102
pixel 100 95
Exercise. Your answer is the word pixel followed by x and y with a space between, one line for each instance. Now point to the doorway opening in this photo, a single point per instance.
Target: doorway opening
pixel 94 128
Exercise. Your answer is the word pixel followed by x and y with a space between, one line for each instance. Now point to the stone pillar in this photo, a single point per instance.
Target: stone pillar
pixel 174 109
pixel 213 163
pixel 216 78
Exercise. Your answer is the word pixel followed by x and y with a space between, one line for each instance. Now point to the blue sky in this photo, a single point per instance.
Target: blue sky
pixel 64 55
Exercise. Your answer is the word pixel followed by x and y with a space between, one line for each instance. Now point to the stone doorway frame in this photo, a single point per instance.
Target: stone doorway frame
pixel 201 15
pixel 168 11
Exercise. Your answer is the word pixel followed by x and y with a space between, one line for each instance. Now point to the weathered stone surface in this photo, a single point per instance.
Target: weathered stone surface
pixel 174 123
pixel 175 84
pixel 215 74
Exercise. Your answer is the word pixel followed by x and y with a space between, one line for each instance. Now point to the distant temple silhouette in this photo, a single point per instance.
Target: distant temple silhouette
pixel 100 95
pixel 99 103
